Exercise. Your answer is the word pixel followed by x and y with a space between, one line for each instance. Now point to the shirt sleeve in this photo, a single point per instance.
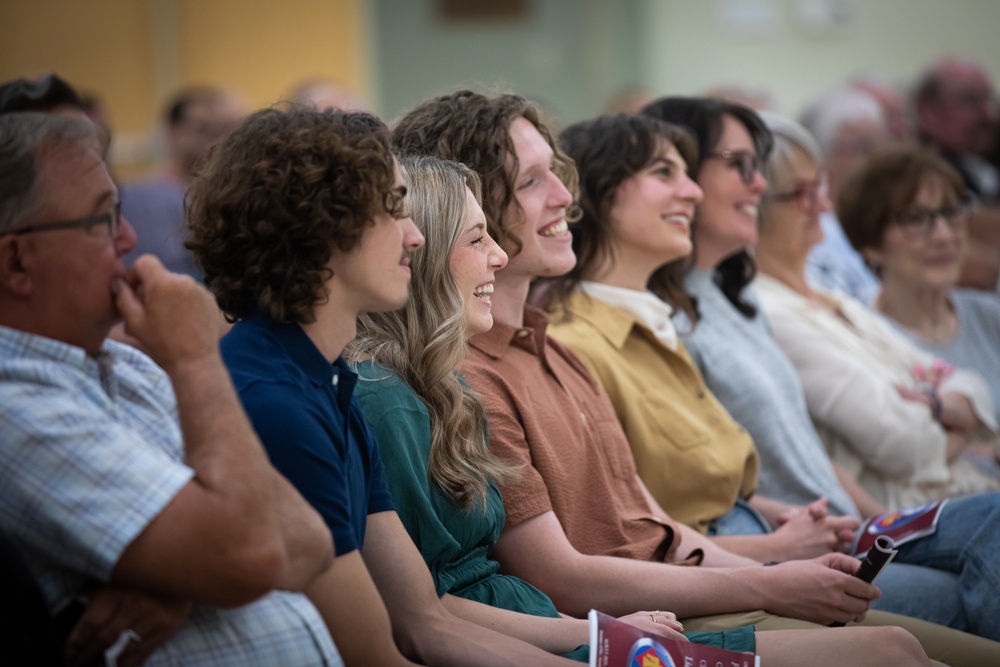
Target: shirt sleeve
pixel 403 433
pixel 302 449
pixel 848 393
pixel 527 497
pixel 79 484
pixel 379 496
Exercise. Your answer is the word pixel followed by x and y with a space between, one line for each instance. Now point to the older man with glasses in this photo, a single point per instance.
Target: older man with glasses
pixel 131 484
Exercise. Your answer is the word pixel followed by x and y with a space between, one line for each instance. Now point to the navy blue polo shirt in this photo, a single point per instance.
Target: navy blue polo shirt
pixel 304 412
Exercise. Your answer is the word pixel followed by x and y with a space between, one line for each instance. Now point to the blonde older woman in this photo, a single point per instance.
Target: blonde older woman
pixel 899 433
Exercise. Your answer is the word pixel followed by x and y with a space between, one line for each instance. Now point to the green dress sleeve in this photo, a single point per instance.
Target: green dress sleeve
pixel 453 542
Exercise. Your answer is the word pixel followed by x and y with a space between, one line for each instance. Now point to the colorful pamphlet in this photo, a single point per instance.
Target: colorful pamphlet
pixel 902 526
pixel 614 643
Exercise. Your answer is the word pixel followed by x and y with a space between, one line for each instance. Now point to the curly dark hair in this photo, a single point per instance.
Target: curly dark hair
pixel 608 150
pixel 275 198
pixel 702 116
pixel 473 129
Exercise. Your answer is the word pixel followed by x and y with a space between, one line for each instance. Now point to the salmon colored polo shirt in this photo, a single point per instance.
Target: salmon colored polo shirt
pixel 546 413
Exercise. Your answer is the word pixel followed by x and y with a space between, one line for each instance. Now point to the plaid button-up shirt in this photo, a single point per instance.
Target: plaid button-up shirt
pixel 90 453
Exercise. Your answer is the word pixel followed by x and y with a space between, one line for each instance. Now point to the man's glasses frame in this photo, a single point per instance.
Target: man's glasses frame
pixel 746 163
pixel 111 220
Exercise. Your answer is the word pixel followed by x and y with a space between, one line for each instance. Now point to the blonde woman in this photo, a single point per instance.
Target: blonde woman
pixel 431 426
pixel 433 445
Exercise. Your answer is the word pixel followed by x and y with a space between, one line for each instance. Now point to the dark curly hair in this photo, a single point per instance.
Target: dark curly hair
pixel 607 151
pixel 275 198
pixel 473 129
pixel 702 116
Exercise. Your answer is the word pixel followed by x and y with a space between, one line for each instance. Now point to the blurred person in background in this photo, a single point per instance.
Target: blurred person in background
pixel 847 125
pixel 956 111
pixel 906 210
pixel 629 100
pixel 321 93
pixel 196 119
pixel 752 98
pixel 956 108
pixel 893 427
pixel 895 103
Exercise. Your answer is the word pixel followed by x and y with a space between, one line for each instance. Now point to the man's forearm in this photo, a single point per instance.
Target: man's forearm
pixel 308 542
pixel 229 462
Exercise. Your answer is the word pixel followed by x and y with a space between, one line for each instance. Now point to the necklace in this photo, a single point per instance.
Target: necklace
pixel 930 330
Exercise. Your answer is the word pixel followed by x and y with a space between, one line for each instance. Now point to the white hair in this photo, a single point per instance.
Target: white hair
pixel 825 116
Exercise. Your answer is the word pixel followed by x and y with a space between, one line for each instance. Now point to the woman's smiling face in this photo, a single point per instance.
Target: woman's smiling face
pixel 727 217
pixel 475 259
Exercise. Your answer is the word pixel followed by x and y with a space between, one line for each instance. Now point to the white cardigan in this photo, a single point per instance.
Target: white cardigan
pixel 849 372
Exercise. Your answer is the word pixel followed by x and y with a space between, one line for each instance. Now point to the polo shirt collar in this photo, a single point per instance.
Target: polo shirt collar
pixel 306 355
pixel 530 336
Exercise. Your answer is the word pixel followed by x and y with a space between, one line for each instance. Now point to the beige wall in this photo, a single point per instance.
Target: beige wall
pixel 135 53
pixel 263 47
pixel 99 46
pixel 689 45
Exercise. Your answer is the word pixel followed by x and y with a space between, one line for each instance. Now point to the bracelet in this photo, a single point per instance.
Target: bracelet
pixel 937 408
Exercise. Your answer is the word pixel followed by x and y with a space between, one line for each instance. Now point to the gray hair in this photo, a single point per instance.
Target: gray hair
pixel 24 138
pixel 830 112
pixel 789 136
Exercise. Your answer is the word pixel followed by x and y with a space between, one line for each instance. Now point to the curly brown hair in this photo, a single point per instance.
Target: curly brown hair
pixel 474 129
pixel 275 198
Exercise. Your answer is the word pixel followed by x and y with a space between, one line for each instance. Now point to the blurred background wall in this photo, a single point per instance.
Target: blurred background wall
pixel 134 54
pixel 571 55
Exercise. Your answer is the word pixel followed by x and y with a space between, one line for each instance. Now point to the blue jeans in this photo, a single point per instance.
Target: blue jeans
pixel 951 577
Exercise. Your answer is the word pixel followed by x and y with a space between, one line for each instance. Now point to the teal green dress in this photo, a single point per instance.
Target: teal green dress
pixel 455 543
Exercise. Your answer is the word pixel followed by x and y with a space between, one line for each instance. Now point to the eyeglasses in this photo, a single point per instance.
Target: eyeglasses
pixel 807 194
pixel 106 224
pixel 742 160
pixel 921 223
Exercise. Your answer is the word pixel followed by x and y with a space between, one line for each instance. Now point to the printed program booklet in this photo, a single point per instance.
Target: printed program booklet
pixel 614 643
pixel 902 526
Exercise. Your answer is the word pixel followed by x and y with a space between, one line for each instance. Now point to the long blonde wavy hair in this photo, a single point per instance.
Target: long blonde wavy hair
pixel 424 343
